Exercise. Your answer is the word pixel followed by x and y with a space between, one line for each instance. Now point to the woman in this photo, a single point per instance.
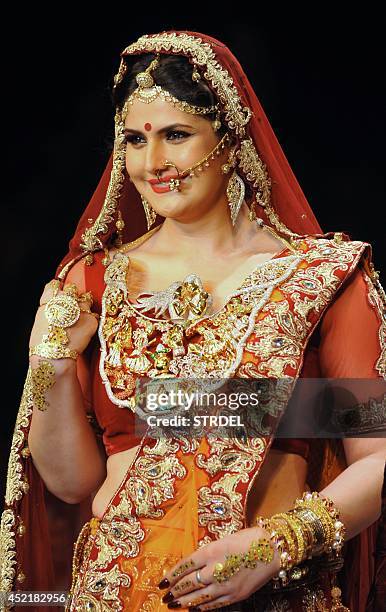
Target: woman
pixel 237 281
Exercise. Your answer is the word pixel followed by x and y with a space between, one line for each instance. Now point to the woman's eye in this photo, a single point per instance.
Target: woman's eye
pixel 179 134
pixel 131 138
pixel 174 135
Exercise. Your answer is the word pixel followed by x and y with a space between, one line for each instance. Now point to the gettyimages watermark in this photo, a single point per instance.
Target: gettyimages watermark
pixel 244 408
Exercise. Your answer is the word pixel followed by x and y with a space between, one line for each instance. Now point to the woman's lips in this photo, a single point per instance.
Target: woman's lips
pixel 162 186
pixel 158 188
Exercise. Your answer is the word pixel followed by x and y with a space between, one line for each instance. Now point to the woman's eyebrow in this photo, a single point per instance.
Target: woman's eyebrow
pixel 161 131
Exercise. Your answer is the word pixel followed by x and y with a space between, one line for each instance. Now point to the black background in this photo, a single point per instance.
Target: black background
pixel 320 79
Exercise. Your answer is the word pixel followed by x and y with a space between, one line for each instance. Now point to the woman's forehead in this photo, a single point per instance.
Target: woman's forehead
pixel 157 114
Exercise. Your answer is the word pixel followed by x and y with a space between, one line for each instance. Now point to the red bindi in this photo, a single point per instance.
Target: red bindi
pixel 148 127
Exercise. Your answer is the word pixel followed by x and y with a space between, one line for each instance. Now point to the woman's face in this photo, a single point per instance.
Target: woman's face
pixel 157 132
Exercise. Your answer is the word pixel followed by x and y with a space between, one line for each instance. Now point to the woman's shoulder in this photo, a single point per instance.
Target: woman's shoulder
pixel 334 239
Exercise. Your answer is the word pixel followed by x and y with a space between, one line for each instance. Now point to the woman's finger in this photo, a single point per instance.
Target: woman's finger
pixel 186 566
pixel 49 291
pixel 193 584
pixel 192 600
pixel 215 604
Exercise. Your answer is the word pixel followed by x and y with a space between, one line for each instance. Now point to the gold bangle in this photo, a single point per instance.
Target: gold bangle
pixel 50 351
pixel 315 526
pixel 329 516
pixel 298 529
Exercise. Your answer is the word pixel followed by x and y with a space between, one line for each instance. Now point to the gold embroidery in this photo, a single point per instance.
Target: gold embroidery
pixel 279 605
pixel 255 171
pixel 120 532
pixel 278 338
pixel 90 241
pixel 7 550
pixel 220 507
pixel 236 116
pixel 377 301
pixel 16 486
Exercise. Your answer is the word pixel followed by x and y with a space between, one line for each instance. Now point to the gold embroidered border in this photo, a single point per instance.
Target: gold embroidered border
pixel 16 486
pixel 375 300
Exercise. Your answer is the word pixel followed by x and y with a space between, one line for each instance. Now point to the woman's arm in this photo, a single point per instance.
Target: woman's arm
pixel 62 442
pixel 357 491
pixel 352 356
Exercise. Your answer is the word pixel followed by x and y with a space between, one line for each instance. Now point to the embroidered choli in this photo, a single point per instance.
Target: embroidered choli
pixel 349 340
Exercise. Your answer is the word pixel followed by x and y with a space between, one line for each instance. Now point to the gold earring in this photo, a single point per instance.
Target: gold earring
pixel 230 163
pixel 149 212
pixel 235 195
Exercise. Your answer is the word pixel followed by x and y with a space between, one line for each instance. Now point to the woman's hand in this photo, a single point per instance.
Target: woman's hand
pixel 187 590
pixel 79 334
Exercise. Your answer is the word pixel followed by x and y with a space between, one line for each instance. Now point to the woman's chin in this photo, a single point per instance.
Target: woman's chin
pixel 174 210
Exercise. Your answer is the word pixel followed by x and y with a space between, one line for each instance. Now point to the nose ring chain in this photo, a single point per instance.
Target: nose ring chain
pixel 174 183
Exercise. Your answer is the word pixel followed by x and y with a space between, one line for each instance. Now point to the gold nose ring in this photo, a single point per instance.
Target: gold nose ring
pixel 174 184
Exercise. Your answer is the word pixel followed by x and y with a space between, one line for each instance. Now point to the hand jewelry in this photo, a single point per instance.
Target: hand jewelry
pixel 260 551
pixel 43 378
pixel 61 311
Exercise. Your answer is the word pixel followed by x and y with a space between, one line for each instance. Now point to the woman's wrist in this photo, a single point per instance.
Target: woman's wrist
pixel 62 367
pixel 312 527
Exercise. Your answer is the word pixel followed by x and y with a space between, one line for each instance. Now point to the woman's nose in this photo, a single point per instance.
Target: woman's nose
pixel 155 158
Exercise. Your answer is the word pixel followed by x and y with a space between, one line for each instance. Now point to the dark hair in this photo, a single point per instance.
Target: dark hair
pixel 174 74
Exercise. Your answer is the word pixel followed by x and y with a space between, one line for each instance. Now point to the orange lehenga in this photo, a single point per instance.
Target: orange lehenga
pixel 313 311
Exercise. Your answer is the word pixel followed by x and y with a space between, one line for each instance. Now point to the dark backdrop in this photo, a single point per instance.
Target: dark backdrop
pixel 319 77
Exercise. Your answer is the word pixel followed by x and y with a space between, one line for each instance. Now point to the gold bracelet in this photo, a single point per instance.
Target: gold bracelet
pixel 329 516
pixel 313 523
pixel 298 530
pixel 51 351
pixel 283 542
pixel 42 379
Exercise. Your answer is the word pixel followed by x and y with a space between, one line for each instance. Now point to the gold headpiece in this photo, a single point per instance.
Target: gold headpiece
pixel 147 91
